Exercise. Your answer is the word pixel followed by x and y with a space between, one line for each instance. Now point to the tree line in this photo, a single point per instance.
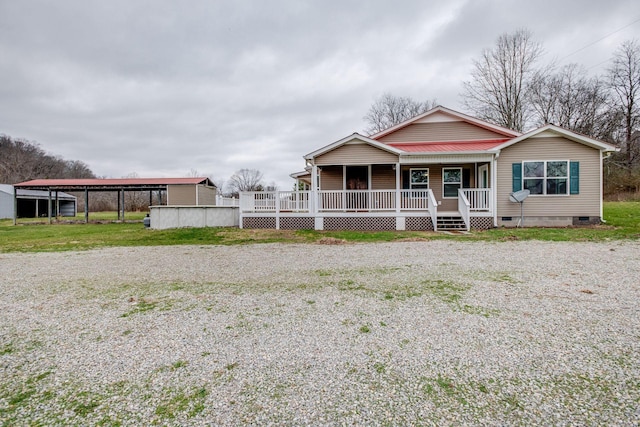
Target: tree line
pixel 510 88
pixel 22 160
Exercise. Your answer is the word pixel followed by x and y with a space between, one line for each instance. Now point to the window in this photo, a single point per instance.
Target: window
pixel 546 177
pixel 451 181
pixel 419 179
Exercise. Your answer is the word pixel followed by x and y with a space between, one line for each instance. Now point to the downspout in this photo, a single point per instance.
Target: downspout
pixel 601 190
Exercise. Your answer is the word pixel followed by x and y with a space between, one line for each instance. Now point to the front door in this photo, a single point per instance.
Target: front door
pixel 483 176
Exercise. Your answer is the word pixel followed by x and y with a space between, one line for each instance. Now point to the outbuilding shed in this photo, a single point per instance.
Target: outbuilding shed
pixel 35 203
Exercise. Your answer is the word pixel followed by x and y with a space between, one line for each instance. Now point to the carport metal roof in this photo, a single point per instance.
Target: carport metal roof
pixel 110 184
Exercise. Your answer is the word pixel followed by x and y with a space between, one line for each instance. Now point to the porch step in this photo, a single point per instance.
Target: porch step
pixel 451 223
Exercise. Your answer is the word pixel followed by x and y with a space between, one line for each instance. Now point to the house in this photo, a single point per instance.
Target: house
pixel 440 170
pixel 35 203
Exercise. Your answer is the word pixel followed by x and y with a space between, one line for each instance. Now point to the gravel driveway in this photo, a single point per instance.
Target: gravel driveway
pixel 408 333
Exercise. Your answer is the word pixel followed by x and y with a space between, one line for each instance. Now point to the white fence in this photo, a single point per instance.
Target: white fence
pixel 227 201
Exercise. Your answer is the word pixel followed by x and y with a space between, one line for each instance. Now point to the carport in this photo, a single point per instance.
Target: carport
pixel 184 191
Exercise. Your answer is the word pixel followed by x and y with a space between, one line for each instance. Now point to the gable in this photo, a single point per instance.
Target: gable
pixel 441 114
pixel 440 131
pixel 549 147
pixel 356 153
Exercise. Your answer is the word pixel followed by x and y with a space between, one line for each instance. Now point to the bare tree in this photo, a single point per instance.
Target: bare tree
pixel 245 180
pixel 497 91
pixel 219 183
pixel 624 80
pixel 390 110
pixel 570 99
pixel 22 160
pixel 135 200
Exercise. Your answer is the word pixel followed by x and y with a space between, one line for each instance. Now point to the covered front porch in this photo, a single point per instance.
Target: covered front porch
pixel 358 183
pixel 413 209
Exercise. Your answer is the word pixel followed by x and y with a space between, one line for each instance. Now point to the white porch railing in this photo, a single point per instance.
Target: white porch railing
pixel 356 200
pixel 274 201
pixel 464 207
pixel 479 199
pixel 338 201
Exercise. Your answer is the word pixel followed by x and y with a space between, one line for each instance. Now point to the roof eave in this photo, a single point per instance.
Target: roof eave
pixel 351 137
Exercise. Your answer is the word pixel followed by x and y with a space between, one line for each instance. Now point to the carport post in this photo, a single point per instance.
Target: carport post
pixel 49 206
pixel 15 206
pixel 123 205
pixel 86 205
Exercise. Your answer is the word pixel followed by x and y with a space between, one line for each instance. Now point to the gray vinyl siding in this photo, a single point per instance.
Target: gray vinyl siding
pixel 383 177
pixel 356 154
pixel 587 203
pixel 331 178
pixel 181 195
pixel 444 131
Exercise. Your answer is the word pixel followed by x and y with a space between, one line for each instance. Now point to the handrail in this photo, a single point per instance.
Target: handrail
pixel 433 209
pixel 464 208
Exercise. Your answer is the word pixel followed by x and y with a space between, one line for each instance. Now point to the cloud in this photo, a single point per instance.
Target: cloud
pixel 161 88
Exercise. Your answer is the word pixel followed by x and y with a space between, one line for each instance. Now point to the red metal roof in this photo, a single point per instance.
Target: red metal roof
pixel 111 182
pixel 448 146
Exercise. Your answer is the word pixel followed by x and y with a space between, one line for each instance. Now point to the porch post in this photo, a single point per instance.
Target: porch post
pixel 314 201
pixel 398 198
pixel 313 208
pixel 494 188
pixel 277 202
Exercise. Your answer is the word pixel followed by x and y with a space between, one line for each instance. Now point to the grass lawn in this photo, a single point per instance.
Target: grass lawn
pixel 622 222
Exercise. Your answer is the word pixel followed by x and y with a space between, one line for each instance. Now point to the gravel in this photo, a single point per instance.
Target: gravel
pixel 405 333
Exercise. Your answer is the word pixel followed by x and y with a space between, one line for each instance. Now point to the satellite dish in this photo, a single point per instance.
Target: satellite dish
pixel 519 196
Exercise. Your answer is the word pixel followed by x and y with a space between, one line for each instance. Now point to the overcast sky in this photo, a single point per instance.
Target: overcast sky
pixel 164 88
